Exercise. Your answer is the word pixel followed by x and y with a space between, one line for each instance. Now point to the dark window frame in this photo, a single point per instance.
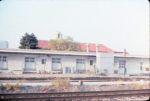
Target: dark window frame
pixel 122 63
pixel 43 61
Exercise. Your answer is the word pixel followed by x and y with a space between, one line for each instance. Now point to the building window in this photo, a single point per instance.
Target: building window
pixel 3 62
pixel 91 62
pixel 29 64
pixel 56 64
pixel 43 61
pixel 56 60
pixel 122 64
pixel 29 59
pixel 80 61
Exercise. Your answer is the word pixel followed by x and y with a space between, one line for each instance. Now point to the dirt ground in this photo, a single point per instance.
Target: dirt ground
pixel 72 88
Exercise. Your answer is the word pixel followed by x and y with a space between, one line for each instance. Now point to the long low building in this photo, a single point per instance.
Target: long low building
pixel 46 61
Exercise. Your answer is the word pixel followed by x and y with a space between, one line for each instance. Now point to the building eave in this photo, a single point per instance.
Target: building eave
pixel 46 52
pixel 131 56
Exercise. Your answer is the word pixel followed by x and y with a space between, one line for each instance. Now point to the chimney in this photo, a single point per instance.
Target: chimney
pixel 57 35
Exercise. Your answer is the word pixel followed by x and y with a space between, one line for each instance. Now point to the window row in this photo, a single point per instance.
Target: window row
pixel 43 61
pixel 30 63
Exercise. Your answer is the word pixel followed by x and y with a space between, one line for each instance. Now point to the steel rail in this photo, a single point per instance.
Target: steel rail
pixel 74 97
pixel 106 91
pixel 73 78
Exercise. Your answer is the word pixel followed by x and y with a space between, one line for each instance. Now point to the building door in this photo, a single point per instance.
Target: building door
pixel 29 64
pixel 80 65
pixel 3 62
pixel 122 67
pixel 68 70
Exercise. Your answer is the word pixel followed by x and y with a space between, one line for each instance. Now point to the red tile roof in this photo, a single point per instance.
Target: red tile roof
pixel 83 47
pixel 103 48
pixel 92 47
pixel 42 43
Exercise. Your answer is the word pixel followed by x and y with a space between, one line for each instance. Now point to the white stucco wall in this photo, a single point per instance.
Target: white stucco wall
pixel 14 62
pixel 17 61
pixel 132 65
pixel 70 61
pixel 105 62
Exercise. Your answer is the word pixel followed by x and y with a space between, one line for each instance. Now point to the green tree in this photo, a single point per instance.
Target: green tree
pixel 64 44
pixel 28 41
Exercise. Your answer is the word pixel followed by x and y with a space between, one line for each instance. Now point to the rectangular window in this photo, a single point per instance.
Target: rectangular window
pixel 80 61
pixel 55 60
pixel 3 62
pixel 4 58
pixel 26 59
pixel 56 64
pixel 31 59
pixel 122 64
pixel 91 62
pixel 29 64
pixel 43 61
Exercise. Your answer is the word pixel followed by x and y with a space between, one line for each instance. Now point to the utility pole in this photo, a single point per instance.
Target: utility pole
pixel 97 60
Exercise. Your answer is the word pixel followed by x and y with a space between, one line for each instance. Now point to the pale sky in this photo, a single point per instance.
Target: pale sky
pixel 118 24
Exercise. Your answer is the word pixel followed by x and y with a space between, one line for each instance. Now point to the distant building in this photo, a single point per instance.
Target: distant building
pixel 37 61
pixel 3 44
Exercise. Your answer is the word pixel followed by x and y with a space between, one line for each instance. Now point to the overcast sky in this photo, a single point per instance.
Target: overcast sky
pixel 119 24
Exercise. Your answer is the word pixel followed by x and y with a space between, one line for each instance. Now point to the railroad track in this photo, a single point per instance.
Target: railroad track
pixel 76 78
pixel 69 96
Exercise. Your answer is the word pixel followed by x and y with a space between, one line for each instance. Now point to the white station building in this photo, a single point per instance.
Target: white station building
pixel 46 61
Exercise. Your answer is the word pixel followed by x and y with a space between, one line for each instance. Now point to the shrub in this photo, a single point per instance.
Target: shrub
pixel 2 87
pixel 8 87
pixel 17 87
pixel 61 82
pixel 140 85
pixel 13 87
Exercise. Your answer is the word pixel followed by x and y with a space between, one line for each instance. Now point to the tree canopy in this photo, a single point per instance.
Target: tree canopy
pixel 28 41
pixel 63 44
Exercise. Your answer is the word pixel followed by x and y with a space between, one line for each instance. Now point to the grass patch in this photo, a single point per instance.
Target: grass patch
pixel 61 82
pixel 140 85
pixel 11 87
